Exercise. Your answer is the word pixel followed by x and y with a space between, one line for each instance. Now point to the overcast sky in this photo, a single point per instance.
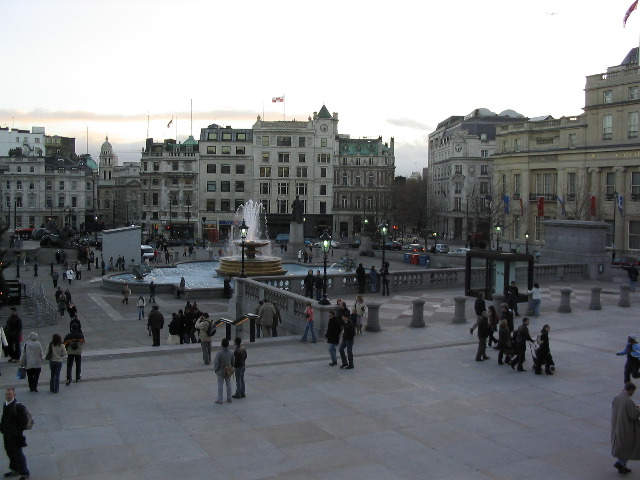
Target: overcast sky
pixel 390 69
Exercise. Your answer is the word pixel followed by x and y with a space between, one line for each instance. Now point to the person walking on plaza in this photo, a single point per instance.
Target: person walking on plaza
pixel 625 429
pixel 318 283
pixel 333 336
pixel 308 314
pixel 54 277
pixel 277 319
pixel 62 305
pixel 152 292
pixel 535 299
pixel 522 337
pixel 203 326
pixel 13 332
pixel 73 342
pixel 126 291
pixel 479 307
pixel 484 331
pixel 141 305
pixel 543 353
pixel 361 276
pixel 514 290
pixel 632 365
pixel 155 321
pixel 504 342
pixel 55 354
pixel 373 278
pixel 31 360
pixel 12 425
pixel 360 307
pixel 632 273
pixel 348 336
pixel 267 316
pixel 239 363
pixel 222 360
pixel 385 279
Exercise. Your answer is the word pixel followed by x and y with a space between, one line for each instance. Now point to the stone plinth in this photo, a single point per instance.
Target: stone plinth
pixel 624 296
pixel 565 300
pixel 373 317
pixel 595 304
pixel 459 313
pixel 417 319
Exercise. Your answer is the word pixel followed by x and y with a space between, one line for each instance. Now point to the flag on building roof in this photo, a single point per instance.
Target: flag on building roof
pixel 170 122
pixel 633 6
pixel 281 99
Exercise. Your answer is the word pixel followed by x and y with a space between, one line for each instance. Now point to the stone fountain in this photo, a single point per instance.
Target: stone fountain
pixel 255 264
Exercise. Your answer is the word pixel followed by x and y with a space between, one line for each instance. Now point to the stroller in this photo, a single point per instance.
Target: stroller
pixel 533 347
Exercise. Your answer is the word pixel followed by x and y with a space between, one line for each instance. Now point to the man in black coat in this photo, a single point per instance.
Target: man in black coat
pixel 484 330
pixel 361 276
pixel 12 426
pixel 155 322
pixel 348 334
pixel 309 281
pixel 13 332
pixel 479 306
pixel 522 336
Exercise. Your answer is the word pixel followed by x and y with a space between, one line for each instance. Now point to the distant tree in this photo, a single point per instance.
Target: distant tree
pixel 15 152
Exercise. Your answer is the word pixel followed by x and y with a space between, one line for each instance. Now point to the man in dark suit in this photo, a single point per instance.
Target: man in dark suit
pixel 12 426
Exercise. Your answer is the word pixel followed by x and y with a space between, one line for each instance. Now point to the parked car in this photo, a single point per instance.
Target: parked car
pixel 459 252
pixel 442 248
pixel 413 247
pixel 282 238
pixel 334 244
pixel 24 233
pixel 146 251
pixel 393 245
pixel 625 261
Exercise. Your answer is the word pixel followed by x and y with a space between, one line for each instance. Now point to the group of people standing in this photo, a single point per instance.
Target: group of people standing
pixel 361 278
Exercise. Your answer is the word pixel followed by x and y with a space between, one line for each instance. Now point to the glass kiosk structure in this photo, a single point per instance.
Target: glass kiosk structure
pixel 491 272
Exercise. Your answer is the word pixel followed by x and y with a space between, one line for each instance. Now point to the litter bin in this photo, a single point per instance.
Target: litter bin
pixel 415 259
pixel 407 258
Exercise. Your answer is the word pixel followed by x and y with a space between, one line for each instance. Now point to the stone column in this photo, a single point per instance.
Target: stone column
pixel 595 304
pixel 624 296
pixel 459 314
pixel 498 299
pixel 530 312
pixel 417 320
pixel 373 317
pixel 565 300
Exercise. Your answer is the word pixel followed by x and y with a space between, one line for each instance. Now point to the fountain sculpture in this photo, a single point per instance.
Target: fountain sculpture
pixel 255 264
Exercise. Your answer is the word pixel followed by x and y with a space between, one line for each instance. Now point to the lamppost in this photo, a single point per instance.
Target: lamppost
pixel 526 242
pixel 384 228
pixel 326 245
pixel 434 234
pixel 498 228
pixel 204 237
pixel 613 236
pixel 188 217
pixel 170 217
pixel 243 236
pixel 95 229
pixel 17 263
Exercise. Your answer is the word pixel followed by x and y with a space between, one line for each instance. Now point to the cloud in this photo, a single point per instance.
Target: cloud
pixel 409 123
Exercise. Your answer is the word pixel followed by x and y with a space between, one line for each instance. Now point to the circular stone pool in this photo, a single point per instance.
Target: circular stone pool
pixel 203 274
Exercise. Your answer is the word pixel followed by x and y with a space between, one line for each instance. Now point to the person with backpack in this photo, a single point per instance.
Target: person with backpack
pixel 239 363
pixel 15 420
pixel 73 342
pixel 223 366
pixel 207 329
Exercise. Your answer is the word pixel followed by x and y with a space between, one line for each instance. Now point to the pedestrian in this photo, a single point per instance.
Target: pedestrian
pixel 181 288
pixel 385 278
pixel 126 291
pixel 492 315
pixel 239 364
pixel 141 305
pixel 188 325
pixel 484 331
pixel 543 353
pixel 175 330
pixel 267 315
pixel 56 352
pixel 632 365
pixel 12 425
pixel 299 256
pixel 31 360
pixel 348 336
pixel 504 342
pixel 632 273
pixel 535 299
pixel 155 321
pixel 333 336
pixel 74 342
pixel 75 322
pixel 373 278
pixel 222 360
pixel 522 337
pixel 309 281
pixel 78 270
pixel 72 310
pixel 361 276
pixel 516 293
pixel 625 428
pixel 277 319
pixel 70 275
pixel 203 325
pixel 507 315
pixel 226 292
pixel 152 292
pixel 54 277
pixel 13 332
pixel 511 300
pixel 62 305
pixel 360 307
pixel 308 314
pixel 479 307
pixel 318 283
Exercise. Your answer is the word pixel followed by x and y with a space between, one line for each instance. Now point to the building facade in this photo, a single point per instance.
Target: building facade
pixel 30 143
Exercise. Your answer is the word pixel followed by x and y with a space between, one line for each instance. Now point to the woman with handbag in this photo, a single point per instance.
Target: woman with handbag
pixel 55 354
pixel 31 360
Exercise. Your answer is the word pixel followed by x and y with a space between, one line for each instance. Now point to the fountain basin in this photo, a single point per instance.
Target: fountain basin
pixel 254 267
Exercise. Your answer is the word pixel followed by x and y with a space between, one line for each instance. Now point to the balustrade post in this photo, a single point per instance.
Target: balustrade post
pixel 565 300
pixel 595 304
pixel 624 296
pixel 417 319
pixel 373 317
pixel 459 314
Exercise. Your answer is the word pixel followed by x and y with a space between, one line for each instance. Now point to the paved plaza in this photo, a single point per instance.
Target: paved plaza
pixel 416 405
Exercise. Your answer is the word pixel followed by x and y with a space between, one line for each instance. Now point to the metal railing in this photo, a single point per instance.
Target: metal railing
pixel 36 309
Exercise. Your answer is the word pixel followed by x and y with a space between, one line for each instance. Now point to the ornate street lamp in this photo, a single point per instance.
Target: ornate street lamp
pixel 434 234
pixel 326 245
pixel 498 229
pixel 384 228
pixel 526 242
pixel 243 235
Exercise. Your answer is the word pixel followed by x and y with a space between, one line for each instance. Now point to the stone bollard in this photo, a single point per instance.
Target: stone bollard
pixel 595 304
pixel 459 314
pixel 417 320
pixel 498 299
pixel 530 311
pixel 565 300
pixel 624 296
pixel 373 317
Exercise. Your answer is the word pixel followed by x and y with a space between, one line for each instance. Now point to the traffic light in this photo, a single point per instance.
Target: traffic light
pixel 155 227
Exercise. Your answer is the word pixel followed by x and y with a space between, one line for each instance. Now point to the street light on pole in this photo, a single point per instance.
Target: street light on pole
pixel 526 242
pixel 243 235
pixel 498 229
pixel 326 245
pixel 384 228
pixel 188 217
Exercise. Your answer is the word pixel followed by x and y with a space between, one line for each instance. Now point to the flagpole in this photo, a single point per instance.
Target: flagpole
pixel 284 109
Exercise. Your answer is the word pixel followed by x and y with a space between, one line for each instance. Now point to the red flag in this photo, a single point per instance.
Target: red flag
pixel 541 206
pixel 521 209
pixel 633 6
pixel 281 99
pixel 593 206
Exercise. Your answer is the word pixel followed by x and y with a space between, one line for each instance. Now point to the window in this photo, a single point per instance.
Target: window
pixel 19 185
pixel 323 189
pixel 484 188
pixel 302 157
pixel 283 172
pixel 225 168
pixel 74 201
pixel 226 150
pixel 344 201
pixel 484 153
pixel 302 142
pixel 371 161
pixel 156 166
pixel 323 142
pixel 283 141
pixel 517 145
pixel 323 172
pixel 358 203
pixel 32 185
pixel 484 169
pixel 225 186
pixel 145 166
pixel 212 136
pixel 607 96
pixel 283 157
pixel 265 141
pixel 634 235
pixel 60 185
pixel 211 168
pixel 371 179
pixel 301 188
pixel 226 135
pixel 211 150
pixel 283 188
pixel 323 207
pixel 155 182
pixel 239 169
pixel 211 186
pixel 344 161
pixel 457 188
pixel 610 181
pixel 634 93
pixel 211 205
pixel 32 169
pixel 358 180
pixel 18 201
pixel 174 166
pixel 144 199
pixel 324 157
pixel 635 185
pixel 225 205
pixel 571 186
pixel 240 150
pixel 239 186
pixel 301 172
pixel 241 137
pixel 504 145
pixel 266 205
pixel 18 169
pixel 458 169
pixel 546 184
pixel 265 157
pixel 155 199
pixel 265 188
pixel 188 182
pixel 457 204
pixel 265 171
pixel 607 127
pixel 345 180
pixel 358 162
pixel 633 125
pixel 572 140
pixel 283 205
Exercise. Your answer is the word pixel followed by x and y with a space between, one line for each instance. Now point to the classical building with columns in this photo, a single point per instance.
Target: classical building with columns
pixel 583 167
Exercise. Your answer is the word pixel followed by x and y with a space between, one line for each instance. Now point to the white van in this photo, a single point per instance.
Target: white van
pixel 147 252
